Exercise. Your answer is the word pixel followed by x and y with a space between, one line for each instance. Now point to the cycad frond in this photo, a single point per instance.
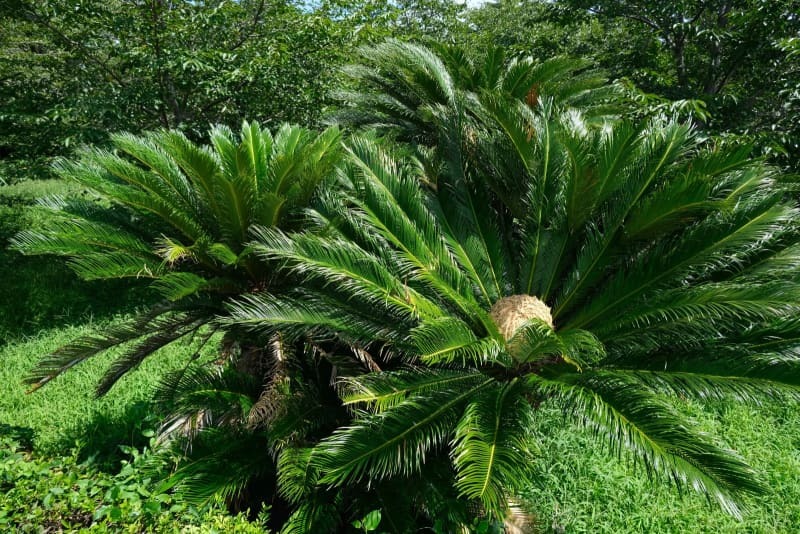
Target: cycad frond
pixel 450 340
pixel 654 266
pixel 381 391
pixel 492 446
pixel 394 442
pixel 402 86
pixel 634 421
pixel 221 463
pixel 160 333
pixel 712 386
pixel 158 327
pixel 296 476
pixel 357 274
pixel 316 515
pixel 179 214
pixel 219 396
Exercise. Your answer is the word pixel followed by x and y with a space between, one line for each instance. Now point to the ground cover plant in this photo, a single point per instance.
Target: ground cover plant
pixel 70 462
pixel 59 494
pixel 412 314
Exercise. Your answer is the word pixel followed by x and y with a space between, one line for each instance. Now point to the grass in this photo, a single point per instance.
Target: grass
pixel 586 489
pixel 65 414
pixel 41 292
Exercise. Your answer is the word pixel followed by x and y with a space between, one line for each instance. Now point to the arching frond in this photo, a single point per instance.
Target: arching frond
pixel 395 441
pixel 492 446
pixel 449 340
pixel 382 391
pixel 316 515
pixel 221 463
pixel 632 420
pixel 158 327
pixel 205 395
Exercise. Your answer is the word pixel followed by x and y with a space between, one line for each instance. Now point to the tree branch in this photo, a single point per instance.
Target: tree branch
pixel 631 16
pixel 245 35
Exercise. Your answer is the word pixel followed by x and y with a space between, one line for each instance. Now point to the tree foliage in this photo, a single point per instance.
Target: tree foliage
pixel 729 54
pixel 75 72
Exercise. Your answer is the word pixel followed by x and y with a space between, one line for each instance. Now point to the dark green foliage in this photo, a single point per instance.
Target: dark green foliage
pixel 410 89
pixel 72 74
pixel 732 58
pixel 362 351
pixel 578 485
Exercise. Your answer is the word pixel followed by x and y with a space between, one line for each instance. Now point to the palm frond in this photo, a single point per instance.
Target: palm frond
pixel 88 346
pixel 318 515
pixel 296 476
pixel 393 442
pixel 355 272
pixel 220 463
pixel 710 386
pixel 382 391
pixel 492 446
pixel 201 395
pixel 159 333
pixel 450 340
pixel 633 420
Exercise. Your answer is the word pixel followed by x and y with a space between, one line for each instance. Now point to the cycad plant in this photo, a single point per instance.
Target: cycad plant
pixel 163 208
pixel 410 90
pixel 618 265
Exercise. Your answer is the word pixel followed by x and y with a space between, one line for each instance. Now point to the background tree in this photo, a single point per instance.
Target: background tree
pixel 728 53
pixel 75 72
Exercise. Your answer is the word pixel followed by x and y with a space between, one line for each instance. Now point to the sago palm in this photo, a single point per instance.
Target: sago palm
pixel 547 261
pixel 162 208
pixel 409 89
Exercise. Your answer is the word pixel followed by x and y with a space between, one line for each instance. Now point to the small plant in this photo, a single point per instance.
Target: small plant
pixel 60 493
pixel 370 522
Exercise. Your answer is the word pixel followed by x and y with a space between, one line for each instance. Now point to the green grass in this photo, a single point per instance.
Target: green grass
pixel 65 414
pixel 585 489
pixel 41 292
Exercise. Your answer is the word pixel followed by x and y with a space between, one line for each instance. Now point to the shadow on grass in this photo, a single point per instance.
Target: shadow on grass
pixel 23 435
pixel 41 292
pixel 100 438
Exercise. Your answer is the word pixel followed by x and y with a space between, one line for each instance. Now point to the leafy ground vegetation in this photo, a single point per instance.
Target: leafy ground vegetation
pixel 58 494
pixel 519 267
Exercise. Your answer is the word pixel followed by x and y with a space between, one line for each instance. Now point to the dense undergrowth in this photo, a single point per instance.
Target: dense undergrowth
pixel 54 494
